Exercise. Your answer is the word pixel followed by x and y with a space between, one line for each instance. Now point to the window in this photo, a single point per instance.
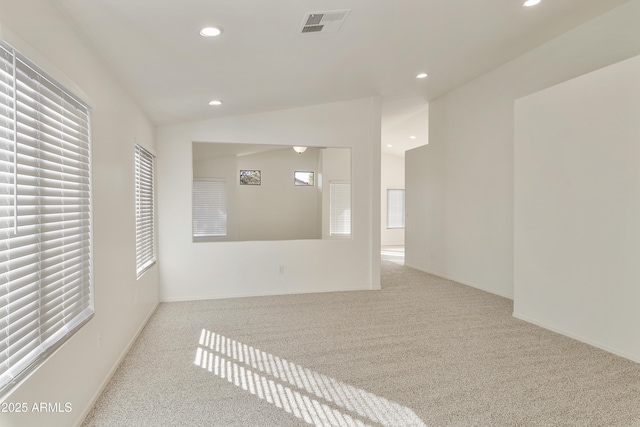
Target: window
pixel 209 207
pixel 395 208
pixel 250 177
pixel 145 253
pixel 340 209
pixel 303 178
pixel 46 290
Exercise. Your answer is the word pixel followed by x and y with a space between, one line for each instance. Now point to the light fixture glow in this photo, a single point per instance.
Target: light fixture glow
pixel 215 102
pixel 389 145
pixel 210 32
pixel 299 150
pixel 530 3
pixel 421 76
pixel 412 137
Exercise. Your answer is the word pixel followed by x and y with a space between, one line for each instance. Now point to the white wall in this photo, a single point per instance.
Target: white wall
pixel 460 207
pixel 277 209
pixel 577 210
pixel 78 370
pixel 424 208
pixel 226 269
pixel 392 177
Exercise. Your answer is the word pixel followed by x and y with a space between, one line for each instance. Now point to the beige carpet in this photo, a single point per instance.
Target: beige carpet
pixel 423 351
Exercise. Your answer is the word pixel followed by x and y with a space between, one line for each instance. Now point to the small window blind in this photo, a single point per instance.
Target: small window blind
pixel 395 208
pixel 144 169
pixel 209 207
pixel 45 216
pixel 340 209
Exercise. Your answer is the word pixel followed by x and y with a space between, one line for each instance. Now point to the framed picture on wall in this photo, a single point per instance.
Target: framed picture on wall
pixel 250 177
pixel 303 178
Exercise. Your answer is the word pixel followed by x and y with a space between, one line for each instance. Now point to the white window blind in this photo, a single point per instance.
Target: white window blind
pixel 395 208
pixel 45 216
pixel 339 208
pixel 145 254
pixel 209 207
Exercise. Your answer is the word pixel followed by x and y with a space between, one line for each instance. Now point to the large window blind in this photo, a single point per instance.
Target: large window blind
pixel 45 216
pixel 145 253
pixel 339 208
pixel 209 207
pixel 395 208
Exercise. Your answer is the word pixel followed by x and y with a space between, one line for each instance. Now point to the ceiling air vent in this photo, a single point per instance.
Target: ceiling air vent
pixel 324 22
pixel 312 28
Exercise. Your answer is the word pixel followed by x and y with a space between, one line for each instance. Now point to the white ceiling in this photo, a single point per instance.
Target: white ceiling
pixel 262 63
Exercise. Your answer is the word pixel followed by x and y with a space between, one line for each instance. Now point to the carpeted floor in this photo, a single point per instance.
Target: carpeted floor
pixel 423 351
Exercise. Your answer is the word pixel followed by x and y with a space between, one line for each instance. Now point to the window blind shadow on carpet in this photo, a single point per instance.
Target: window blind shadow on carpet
pixel 308 395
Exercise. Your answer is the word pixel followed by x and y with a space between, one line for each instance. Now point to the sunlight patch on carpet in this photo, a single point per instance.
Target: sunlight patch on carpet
pixel 306 394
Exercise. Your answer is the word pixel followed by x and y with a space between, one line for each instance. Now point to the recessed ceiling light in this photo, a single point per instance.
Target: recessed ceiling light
pixel 389 145
pixel 530 3
pixel 215 102
pixel 423 75
pixel 210 32
pixel 412 137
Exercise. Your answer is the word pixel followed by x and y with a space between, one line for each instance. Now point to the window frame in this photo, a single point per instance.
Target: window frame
pixel 391 215
pixel 333 210
pixel 302 183
pixel 46 226
pixel 145 209
pixel 196 210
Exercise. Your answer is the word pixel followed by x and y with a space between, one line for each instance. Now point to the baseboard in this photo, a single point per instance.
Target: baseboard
pixel 270 294
pixel 112 371
pixel 577 337
pixel 462 282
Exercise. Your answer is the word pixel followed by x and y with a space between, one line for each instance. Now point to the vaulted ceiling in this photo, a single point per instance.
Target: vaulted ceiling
pixel 263 62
